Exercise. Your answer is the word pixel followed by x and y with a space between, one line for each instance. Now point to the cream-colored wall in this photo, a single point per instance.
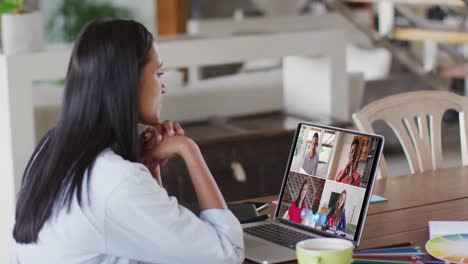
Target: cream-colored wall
pixel 337 150
pixel 7 190
pixel 144 12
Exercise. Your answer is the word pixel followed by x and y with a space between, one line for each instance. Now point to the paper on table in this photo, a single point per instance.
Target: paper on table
pixel 377 199
pixel 442 228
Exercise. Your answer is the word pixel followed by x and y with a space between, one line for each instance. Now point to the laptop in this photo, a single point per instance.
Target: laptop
pixel 326 192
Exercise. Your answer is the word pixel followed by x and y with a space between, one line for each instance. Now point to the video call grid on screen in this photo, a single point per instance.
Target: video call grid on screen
pixel 327 180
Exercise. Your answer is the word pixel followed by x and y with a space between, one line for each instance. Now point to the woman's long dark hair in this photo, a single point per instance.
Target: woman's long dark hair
pixel 339 210
pixel 99 111
pixel 298 199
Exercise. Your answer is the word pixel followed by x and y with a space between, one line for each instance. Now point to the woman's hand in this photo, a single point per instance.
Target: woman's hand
pixel 151 138
pixel 348 170
pixel 341 175
pixel 175 146
pixel 206 189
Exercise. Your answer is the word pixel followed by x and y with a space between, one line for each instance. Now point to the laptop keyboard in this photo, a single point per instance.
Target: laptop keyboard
pixel 277 234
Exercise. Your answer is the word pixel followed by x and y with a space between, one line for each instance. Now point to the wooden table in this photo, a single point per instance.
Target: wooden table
pixel 413 200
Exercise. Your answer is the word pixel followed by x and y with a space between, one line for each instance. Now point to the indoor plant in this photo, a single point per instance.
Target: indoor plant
pixel 70 16
pixel 21 30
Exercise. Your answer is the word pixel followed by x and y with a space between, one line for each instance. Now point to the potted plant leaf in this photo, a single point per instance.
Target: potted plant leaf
pixel 70 16
pixel 22 31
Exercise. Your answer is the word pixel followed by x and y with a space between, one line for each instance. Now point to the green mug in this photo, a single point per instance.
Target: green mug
pixel 325 251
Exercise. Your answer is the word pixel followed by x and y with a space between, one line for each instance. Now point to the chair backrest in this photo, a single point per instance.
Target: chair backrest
pixel 416 119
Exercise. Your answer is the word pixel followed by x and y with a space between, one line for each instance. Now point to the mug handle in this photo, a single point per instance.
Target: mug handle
pixel 315 260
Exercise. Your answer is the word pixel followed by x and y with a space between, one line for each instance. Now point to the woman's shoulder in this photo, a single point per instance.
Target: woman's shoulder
pixel 110 169
pixel 111 161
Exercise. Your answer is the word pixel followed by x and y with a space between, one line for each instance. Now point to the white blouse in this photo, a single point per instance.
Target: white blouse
pixel 129 218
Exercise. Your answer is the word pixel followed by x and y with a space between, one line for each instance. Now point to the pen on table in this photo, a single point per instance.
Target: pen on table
pixel 256 219
pixel 400 257
pixel 389 250
pixel 391 257
pixel 368 261
pixel 394 251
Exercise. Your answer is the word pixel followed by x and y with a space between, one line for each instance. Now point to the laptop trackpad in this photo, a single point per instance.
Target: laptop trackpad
pixel 260 251
pixel 251 243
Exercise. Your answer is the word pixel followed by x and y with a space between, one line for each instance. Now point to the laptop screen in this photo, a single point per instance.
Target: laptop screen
pixel 328 176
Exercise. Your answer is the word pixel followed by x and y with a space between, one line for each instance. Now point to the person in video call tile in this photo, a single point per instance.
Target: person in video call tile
pixel 294 211
pixel 311 160
pixel 349 175
pixel 336 219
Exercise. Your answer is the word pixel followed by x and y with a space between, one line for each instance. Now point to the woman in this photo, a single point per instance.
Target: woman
pixel 294 211
pixel 85 198
pixel 336 219
pixel 349 175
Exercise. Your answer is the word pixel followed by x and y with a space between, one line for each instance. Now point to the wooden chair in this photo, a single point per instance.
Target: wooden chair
pixel 416 119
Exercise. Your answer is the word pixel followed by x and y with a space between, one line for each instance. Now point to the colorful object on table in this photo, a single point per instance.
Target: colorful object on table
pixel 303 213
pixel 309 221
pixel 317 217
pixel 386 261
pixel 451 248
pixel 395 255
pixel 377 199
pixel 391 251
pixel 331 221
pixel 274 202
pixel 310 216
pixel 323 220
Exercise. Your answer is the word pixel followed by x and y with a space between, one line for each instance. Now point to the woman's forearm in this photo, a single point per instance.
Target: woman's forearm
pixel 339 176
pixel 206 189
